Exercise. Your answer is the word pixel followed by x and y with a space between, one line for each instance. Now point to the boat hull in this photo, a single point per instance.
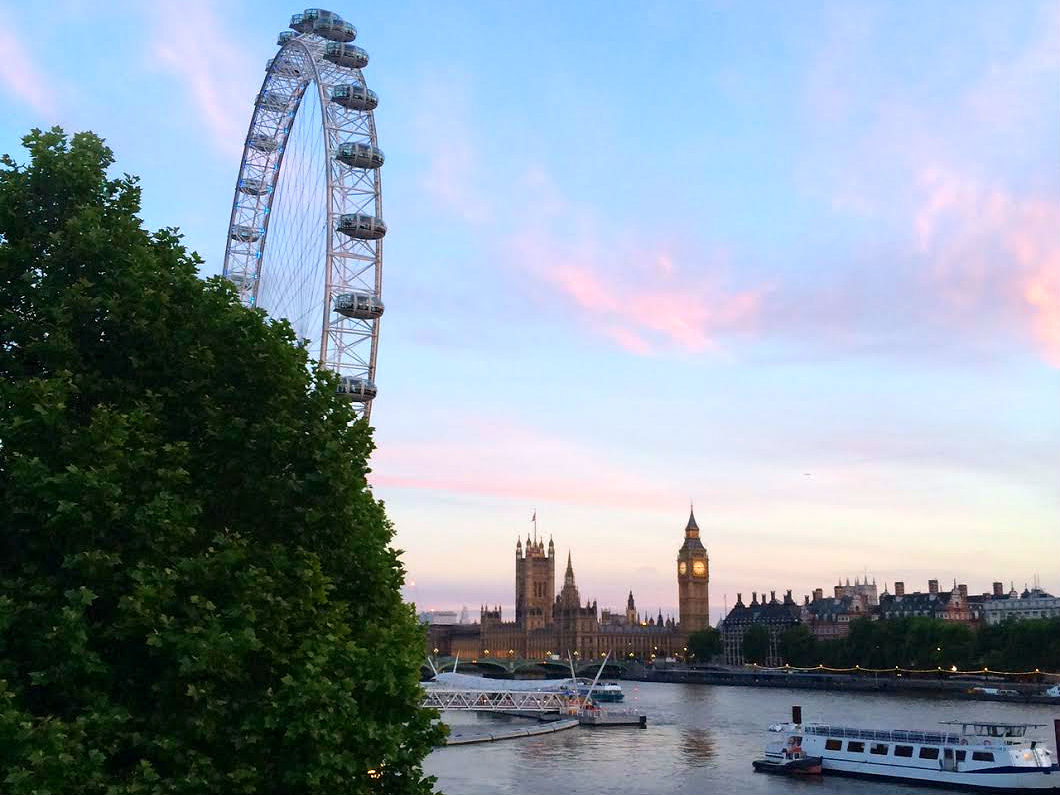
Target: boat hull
pixel 807 766
pixel 1014 780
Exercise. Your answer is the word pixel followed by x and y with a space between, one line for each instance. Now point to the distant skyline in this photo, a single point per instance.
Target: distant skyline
pixel 797 262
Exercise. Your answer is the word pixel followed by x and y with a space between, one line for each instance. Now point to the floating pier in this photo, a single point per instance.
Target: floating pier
pixel 508 733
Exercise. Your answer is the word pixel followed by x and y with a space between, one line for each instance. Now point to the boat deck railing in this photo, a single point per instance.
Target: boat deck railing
pixel 892 735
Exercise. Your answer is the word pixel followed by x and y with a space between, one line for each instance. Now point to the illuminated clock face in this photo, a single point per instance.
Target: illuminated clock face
pixel 682 567
pixel 699 568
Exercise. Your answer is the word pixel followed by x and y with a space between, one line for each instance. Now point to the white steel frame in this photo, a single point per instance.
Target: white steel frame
pixel 491 700
pixel 348 346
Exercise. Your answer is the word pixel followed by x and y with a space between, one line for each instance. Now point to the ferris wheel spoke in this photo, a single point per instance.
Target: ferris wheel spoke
pixel 304 238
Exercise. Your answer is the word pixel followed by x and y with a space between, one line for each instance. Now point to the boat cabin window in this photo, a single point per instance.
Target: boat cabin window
pixel 903 750
pixel 878 748
pixel 856 747
pixel 927 752
pixel 833 745
pixel 961 755
pixel 983 756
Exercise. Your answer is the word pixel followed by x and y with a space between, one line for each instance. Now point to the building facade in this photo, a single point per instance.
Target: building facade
pixel 548 624
pixel 1032 603
pixel 777 616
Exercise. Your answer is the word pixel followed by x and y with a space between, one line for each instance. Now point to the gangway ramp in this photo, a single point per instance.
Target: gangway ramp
pixel 495 700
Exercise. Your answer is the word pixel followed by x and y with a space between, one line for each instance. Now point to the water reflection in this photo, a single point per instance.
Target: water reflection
pixel 699 739
pixel 697 747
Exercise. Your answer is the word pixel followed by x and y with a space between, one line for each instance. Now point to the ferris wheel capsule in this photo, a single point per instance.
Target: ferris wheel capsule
pixel 284 36
pixel 357 390
pixel 263 142
pixel 349 55
pixel 254 187
pixel 359 306
pixel 356 154
pixel 334 29
pixel 274 101
pixel 303 22
pixel 355 96
pixel 246 234
pixel 284 66
pixel 361 226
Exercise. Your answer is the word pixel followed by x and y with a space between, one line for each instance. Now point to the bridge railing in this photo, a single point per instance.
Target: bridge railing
pixel 492 700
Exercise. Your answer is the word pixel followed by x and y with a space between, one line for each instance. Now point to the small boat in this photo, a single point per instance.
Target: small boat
pixel 795 764
pixel 603 691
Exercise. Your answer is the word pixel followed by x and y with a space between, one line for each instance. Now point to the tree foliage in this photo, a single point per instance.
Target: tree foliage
pixel 923 642
pixel 756 644
pixel 705 643
pixel 197 592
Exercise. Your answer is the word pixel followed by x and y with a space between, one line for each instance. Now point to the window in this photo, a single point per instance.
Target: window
pixel 878 748
pixel 903 750
pixel 983 756
pixel 833 745
pixel 855 747
pixel 961 755
pixel 929 753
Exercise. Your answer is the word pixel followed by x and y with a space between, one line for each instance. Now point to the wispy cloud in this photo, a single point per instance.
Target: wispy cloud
pixel 495 457
pixel 192 44
pixel 634 295
pixel 993 254
pixel 19 75
pixel 453 174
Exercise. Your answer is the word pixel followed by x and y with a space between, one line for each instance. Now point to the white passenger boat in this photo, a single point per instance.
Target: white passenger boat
pixel 967 755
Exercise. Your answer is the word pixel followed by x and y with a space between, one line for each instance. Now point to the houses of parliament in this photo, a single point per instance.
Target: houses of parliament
pixel 546 623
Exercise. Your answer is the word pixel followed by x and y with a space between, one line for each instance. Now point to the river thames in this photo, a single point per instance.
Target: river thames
pixel 700 738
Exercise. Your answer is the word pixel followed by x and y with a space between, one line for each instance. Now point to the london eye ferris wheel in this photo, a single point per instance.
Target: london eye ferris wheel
pixel 305 240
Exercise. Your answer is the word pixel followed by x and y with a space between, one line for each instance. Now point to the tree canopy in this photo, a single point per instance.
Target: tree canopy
pixel 756 644
pixel 704 644
pixel 921 642
pixel 197 588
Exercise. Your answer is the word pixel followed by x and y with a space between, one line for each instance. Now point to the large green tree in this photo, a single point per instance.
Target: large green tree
pixel 756 644
pixel 705 644
pixel 197 589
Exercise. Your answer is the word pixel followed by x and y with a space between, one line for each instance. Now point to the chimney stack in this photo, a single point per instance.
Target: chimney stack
pixel 962 589
pixel 818 594
pixel 933 586
pixel 999 589
pixel 899 588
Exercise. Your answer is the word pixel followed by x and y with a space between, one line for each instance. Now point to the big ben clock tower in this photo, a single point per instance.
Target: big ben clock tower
pixel 693 577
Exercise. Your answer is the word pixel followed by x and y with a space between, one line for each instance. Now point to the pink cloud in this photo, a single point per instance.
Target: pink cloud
pixel 499 458
pixel 20 76
pixel 643 318
pixel 192 44
pixel 453 175
pixel 637 297
pixel 993 254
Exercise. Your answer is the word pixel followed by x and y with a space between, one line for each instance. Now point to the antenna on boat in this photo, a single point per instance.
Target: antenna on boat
pixel 430 662
pixel 455 662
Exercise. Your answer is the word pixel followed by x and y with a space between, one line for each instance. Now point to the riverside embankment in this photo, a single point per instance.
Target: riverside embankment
pixel 1020 692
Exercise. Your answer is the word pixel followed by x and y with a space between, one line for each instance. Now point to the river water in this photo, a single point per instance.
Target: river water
pixel 700 738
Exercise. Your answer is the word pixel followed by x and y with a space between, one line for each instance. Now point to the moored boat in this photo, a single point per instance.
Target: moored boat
pixel 792 762
pixel 966 755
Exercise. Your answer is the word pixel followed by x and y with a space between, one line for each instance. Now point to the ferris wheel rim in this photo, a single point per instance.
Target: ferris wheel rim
pixel 349 330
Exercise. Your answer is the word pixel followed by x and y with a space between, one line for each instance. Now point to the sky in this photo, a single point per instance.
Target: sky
pixel 798 263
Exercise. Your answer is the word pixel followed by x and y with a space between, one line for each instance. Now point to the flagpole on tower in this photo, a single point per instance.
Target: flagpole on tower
pixel 534 520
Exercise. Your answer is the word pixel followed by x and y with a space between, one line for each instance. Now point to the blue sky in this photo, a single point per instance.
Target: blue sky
pixel 797 262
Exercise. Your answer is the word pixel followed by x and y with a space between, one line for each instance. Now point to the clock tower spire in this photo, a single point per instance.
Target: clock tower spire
pixel 693 579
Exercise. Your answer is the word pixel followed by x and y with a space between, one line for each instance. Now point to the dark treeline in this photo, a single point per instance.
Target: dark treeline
pixel 930 643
